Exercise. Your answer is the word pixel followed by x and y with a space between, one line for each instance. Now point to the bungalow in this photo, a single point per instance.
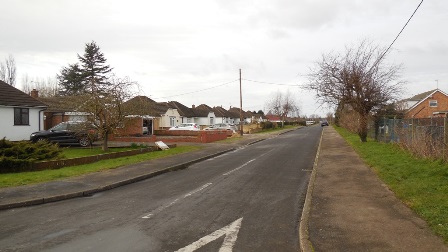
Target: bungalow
pixel 169 117
pixel 273 118
pixel 204 115
pixel 236 115
pixel 258 117
pixel 187 114
pixel 21 114
pixel 146 115
pixel 222 115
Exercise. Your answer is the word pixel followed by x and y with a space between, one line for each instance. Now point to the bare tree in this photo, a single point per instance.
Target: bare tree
pixel 106 106
pixel 8 71
pixel 359 78
pixel 47 87
pixel 282 105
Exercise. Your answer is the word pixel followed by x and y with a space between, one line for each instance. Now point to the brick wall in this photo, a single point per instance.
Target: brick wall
pixel 423 110
pixel 53 119
pixel 176 136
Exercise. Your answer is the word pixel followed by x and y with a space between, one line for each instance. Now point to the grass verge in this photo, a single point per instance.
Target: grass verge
pixel 26 178
pixel 420 183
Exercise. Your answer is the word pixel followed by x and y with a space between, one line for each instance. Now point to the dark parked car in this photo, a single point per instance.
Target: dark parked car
pixel 71 132
pixel 324 123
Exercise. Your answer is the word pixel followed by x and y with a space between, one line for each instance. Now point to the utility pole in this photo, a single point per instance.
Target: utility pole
pixel 241 108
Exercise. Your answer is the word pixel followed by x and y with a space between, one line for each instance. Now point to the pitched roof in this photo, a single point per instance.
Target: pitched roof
pixel 273 118
pixel 235 112
pixel 11 96
pixel 423 96
pixel 142 105
pixel 182 109
pixel 60 104
pixel 221 112
pixel 202 110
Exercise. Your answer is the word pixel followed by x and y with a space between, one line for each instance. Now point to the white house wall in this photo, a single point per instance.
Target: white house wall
pixel 165 119
pixel 186 120
pixel 205 121
pixel 221 120
pixel 19 132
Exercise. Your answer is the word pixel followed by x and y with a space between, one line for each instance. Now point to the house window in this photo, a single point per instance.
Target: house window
pixel 211 120
pixel 172 121
pixel 433 103
pixel 189 120
pixel 21 116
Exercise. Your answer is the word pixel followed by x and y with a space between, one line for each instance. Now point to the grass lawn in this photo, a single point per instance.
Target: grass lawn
pixel 420 183
pixel 25 178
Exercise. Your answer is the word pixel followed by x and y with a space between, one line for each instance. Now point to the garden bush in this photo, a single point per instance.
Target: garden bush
pixel 18 156
pixel 267 125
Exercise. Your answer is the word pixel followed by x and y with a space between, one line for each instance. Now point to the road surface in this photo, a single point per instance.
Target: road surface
pixel 250 199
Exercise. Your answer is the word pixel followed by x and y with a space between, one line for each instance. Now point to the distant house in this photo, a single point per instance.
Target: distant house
pixel 236 115
pixel 147 114
pixel 429 104
pixel 254 117
pixel 222 115
pixel 169 117
pixel 187 114
pixel 204 115
pixel 20 113
pixel 273 118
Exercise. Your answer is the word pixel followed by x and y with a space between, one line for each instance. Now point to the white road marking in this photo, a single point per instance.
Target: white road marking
pixel 230 231
pixel 160 209
pixel 197 190
pixel 236 169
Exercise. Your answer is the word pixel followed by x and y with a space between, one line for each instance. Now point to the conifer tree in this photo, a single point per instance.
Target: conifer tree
pixel 71 81
pixel 94 68
pixel 91 74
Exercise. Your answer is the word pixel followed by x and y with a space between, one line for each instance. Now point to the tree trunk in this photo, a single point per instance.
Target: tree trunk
pixel 362 131
pixel 105 147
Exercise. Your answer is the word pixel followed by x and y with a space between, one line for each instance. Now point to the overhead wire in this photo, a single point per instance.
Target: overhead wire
pixel 271 83
pixel 197 91
pixel 402 29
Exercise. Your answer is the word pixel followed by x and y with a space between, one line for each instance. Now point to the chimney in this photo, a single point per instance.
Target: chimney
pixel 193 106
pixel 34 93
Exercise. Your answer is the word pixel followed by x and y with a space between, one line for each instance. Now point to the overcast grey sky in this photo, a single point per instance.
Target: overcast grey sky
pixel 174 47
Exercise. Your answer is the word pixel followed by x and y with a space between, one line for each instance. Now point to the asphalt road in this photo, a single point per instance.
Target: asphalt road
pixel 247 200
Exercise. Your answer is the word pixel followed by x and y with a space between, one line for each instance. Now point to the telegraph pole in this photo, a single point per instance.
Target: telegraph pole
pixel 241 108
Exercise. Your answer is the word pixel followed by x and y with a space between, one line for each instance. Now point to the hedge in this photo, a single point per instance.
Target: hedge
pixel 18 156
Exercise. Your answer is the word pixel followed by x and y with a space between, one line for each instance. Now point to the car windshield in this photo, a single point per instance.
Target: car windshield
pixel 60 127
pixel 72 126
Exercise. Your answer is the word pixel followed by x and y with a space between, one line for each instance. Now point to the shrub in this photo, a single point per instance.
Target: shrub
pixel 18 156
pixel 267 125
pixel 137 146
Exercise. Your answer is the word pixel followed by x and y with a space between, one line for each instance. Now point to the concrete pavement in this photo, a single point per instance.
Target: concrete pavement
pixel 352 210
